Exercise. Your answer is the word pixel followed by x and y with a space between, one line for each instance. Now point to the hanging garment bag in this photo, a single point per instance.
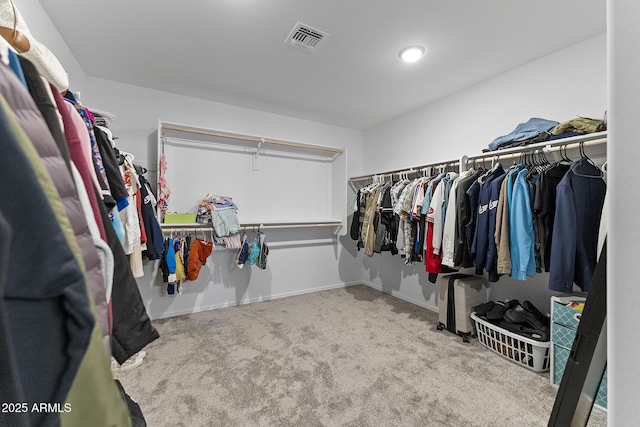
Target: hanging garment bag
pixel 458 294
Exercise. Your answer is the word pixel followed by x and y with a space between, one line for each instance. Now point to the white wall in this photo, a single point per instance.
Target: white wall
pixel 294 266
pixel 559 86
pixel 624 233
pixel 45 32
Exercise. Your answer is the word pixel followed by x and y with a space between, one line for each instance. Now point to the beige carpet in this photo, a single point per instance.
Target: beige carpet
pixel 343 357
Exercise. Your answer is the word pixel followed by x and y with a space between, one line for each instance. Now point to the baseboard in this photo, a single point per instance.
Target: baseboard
pixel 227 304
pixel 402 297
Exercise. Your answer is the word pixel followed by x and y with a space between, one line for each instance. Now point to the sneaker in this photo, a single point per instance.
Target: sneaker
pixel 114 364
pixel 131 363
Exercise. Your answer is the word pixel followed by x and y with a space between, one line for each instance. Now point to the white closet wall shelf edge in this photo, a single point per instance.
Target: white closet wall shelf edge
pixel 553 146
pixel 416 170
pixel 571 143
pixel 277 184
pixel 169 130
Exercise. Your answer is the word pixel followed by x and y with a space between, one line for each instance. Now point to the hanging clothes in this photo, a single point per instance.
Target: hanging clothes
pixel 368 230
pixel 76 139
pixel 112 169
pixel 95 150
pixel 521 233
pixel 492 247
pixel 59 312
pixel 579 201
pixel 261 263
pixel 38 133
pixel 48 307
pixel 481 234
pixel 546 207
pixel 465 219
pixel 40 92
pixel 450 230
pixel 198 254
pixel 9 376
pixel 155 247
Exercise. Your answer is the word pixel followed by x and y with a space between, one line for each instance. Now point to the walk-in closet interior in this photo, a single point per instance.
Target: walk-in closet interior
pixel 260 213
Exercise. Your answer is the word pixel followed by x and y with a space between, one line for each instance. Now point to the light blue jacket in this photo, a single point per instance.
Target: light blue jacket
pixel 521 237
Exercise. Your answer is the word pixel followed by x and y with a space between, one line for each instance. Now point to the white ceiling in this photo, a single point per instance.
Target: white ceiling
pixel 233 51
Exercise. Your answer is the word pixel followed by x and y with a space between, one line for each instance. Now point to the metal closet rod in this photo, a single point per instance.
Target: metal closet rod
pixel 206 227
pixel 416 169
pixel 295 225
pixel 543 149
pixel 253 139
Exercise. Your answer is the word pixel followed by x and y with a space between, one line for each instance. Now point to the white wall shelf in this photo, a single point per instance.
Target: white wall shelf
pixel 275 182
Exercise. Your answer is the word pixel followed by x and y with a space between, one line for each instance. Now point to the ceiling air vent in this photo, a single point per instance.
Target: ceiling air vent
pixel 306 37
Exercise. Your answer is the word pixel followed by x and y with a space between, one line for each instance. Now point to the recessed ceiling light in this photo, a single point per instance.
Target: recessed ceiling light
pixel 411 53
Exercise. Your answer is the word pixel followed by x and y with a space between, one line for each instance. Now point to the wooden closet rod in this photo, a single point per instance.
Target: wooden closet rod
pixel 253 139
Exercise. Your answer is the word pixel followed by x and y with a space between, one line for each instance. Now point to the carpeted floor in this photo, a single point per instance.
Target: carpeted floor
pixel 344 357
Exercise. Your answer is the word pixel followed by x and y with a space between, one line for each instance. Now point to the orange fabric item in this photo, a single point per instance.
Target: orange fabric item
pixel 198 254
pixel 143 233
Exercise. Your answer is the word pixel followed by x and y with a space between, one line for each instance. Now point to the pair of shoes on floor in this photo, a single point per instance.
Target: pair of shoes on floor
pixel 45 62
pixel 131 363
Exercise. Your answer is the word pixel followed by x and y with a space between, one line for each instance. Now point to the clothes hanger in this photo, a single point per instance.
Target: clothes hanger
pixel 563 154
pixel 534 164
pixel 583 158
pixel 140 170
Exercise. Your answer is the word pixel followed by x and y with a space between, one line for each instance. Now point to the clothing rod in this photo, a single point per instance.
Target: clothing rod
pixel 550 143
pixel 409 170
pixel 166 228
pixel 543 148
pixel 309 225
pixel 253 139
pixel 206 227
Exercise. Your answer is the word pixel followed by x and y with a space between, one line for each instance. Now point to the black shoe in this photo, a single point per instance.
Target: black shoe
pixel 499 309
pixel 518 314
pixel 528 305
pixel 482 309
